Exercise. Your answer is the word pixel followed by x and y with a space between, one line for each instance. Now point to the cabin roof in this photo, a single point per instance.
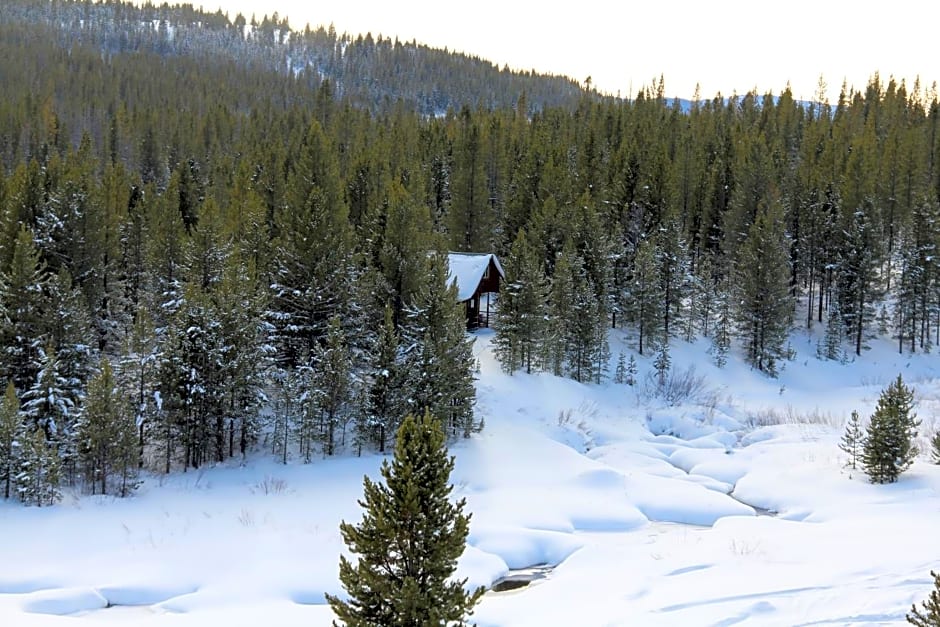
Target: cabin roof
pixel 467 270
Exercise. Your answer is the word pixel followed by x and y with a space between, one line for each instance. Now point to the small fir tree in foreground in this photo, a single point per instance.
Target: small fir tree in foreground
pixel 409 540
pixel 662 365
pixel 620 373
pixel 889 444
pixel 631 371
pixel 929 615
pixel 853 440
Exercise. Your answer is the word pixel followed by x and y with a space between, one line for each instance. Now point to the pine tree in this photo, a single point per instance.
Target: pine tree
pixel 438 352
pixel 385 403
pixel 587 348
pixel 38 480
pixel 672 266
pixel 23 299
pixel 409 540
pixel 107 434
pixel 935 447
pixel 620 372
pixel 47 402
pixel 853 440
pixel 722 333
pixel 889 444
pixel 857 283
pixel 11 439
pixel 646 305
pixel 557 335
pixel 662 365
pixel 631 371
pixel 764 306
pixel 520 319
pixel 831 347
pixel 332 373
pixel 929 616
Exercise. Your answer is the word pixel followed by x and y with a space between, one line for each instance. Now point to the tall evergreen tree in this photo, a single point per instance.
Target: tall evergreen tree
pixel 47 404
pixel 831 346
pixel 762 273
pixel 332 388
pixel 37 482
pixel 889 446
pixel 646 303
pixel 858 282
pixel 107 436
pixel 23 296
pixel 409 540
pixel 439 356
pixel 12 433
pixel 520 319
pixel 386 401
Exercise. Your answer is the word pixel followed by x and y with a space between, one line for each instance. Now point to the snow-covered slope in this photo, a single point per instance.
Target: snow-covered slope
pixel 734 508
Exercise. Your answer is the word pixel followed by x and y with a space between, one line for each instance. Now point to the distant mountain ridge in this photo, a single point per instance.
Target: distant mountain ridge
pixel 376 73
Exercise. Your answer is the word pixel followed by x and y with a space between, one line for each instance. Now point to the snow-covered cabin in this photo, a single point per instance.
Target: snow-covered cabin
pixel 475 274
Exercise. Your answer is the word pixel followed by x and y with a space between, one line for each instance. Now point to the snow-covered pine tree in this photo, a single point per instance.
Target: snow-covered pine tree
pixel 331 387
pixel 561 310
pixel 831 346
pixel 631 371
pixel 313 265
pixel 723 328
pixel 889 447
pixel 662 366
pixel 292 416
pixel 586 347
pixel 197 349
pixel 763 304
pixel 107 437
pixel 12 436
pixel 23 289
pixel 520 318
pixel 853 440
pixel 37 482
pixel 935 447
pixel 645 309
pixel 385 403
pixel 857 283
pixel 412 513
pixel 672 267
pixel 239 305
pixel 47 404
pixel 907 287
pixel 72 335
pixel 137 371
pixel 438 351
pixel 704 298
pixel 620 372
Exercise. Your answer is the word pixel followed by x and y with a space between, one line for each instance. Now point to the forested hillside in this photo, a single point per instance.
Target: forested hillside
pixel 373 72
pixel 199 255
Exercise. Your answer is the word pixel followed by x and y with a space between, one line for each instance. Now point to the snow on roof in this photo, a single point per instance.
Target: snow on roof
pixel 467 269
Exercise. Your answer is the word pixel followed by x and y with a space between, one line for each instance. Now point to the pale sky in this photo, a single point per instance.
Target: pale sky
pixel 723 45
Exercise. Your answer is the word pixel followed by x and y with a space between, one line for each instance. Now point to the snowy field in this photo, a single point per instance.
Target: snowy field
pixel 734 508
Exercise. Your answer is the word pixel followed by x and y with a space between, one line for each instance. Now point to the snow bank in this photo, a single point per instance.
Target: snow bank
pixel 63 601
pixel 142 594
pixel 520 548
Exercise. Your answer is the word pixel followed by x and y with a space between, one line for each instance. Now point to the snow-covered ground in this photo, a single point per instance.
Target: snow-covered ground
pixel 734 508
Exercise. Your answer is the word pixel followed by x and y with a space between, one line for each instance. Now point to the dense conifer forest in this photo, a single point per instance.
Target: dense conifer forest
pixel 215 235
